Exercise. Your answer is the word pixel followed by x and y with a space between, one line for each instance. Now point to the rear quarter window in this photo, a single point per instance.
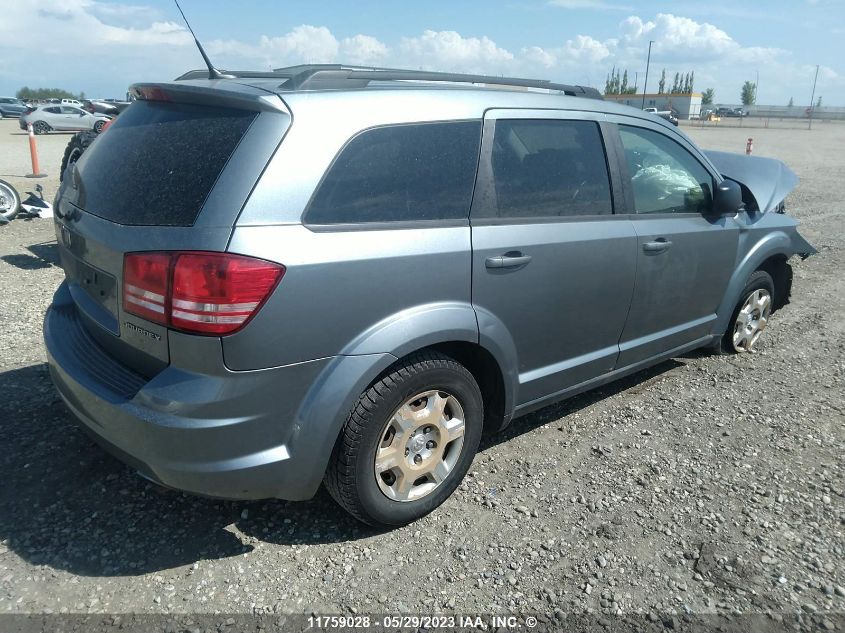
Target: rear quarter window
pixel 401 173
pixel 157 163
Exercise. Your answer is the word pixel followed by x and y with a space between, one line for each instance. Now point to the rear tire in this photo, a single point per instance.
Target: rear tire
pixel 417 405
pixel 751 314
pixel 10 202
pixel 77 145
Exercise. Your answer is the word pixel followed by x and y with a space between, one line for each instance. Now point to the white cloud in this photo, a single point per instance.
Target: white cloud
pixel 122 14
pixel 581 50
pixel 305 43
pixel 80 23
pixel 363 49
pixel 687 40
pixel 449 50
pixel 539 56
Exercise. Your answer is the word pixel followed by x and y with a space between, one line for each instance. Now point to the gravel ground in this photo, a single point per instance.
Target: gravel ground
pixel 15 162
pixel 704 485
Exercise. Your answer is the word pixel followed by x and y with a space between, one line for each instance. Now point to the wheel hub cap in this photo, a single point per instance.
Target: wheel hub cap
pixel 752 319
pixel 420 445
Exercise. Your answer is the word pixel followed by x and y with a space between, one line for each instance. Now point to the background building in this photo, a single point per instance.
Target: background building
pixel 685 105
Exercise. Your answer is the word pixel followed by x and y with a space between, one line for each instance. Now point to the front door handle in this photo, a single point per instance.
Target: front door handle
pixel 659 245
pixel 511 259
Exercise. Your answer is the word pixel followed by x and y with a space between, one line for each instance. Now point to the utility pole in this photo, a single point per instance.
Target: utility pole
pixel 756 86
pixel 648 61
pixel 636 80
pixel 812 99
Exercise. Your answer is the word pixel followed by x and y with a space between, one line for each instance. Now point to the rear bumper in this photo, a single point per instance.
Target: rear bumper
pixel 212 432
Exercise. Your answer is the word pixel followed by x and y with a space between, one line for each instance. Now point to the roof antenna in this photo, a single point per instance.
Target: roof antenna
pixel 213 73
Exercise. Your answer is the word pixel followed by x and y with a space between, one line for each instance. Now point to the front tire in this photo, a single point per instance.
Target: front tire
pixel 751 315
pixel 40 127
pixel 408 442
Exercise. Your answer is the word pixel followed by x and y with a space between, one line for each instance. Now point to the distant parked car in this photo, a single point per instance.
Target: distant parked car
pixel 47 118
pixel 11 107
pixel 730 112
pixel 104 106
pixel 669 115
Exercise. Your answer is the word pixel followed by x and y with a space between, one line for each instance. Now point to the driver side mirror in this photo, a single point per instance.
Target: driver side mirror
pixel 727 199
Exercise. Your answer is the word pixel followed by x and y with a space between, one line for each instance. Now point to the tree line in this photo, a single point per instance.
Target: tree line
pixel 683 84
pixel 614 85
pixel 32 94
pixel 617 83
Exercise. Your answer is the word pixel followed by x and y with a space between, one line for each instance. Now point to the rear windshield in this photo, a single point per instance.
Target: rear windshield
pixel 157 162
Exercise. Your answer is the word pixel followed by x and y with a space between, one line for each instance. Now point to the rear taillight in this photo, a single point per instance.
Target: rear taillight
pixel 197 292
pixel 145 285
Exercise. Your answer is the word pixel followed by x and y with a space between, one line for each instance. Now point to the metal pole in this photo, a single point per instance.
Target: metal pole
pixel 813 99
pixel 648 61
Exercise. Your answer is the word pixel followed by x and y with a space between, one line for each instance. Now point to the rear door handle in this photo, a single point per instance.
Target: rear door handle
pixel 659 245
pixel 511 259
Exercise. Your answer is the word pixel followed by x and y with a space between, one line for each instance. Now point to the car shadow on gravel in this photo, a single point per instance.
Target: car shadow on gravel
pixel 69 505
pixel 44 255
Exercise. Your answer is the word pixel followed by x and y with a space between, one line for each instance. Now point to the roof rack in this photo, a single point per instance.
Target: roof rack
pixel 340 76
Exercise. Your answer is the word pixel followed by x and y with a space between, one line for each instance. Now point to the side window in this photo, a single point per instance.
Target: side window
pixel 666 178
pixel 70 110
pixel 548 168
pixel 399 173
pixel 54 110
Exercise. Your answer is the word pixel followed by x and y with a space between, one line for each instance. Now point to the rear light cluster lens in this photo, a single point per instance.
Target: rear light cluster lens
pixel 197 292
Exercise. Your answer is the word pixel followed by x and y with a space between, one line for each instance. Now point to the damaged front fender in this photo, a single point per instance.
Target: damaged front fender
pixel 766 242
pixel 802 247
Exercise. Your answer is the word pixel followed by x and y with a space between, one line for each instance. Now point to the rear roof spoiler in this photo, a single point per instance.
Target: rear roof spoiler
pixel 220 92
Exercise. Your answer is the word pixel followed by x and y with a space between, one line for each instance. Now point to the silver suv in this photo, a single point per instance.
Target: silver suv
pixel 346 275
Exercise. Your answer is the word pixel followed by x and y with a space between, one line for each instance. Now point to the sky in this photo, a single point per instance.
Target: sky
pixel 102 46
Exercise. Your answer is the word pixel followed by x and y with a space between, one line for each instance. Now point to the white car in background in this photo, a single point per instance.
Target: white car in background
pixel 60 117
